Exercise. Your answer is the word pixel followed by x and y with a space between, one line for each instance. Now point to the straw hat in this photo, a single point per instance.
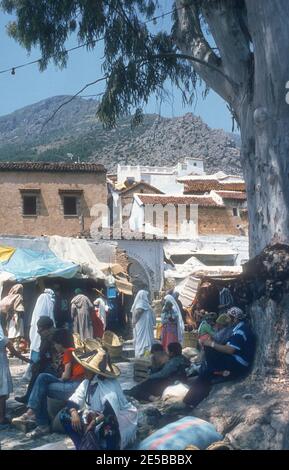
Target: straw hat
pixel 78 343
pixel 91 344
pixel 99 292
pixel 98 362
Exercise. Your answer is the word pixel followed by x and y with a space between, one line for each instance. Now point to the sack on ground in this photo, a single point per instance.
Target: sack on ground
pixel 181 434
pixel 175 393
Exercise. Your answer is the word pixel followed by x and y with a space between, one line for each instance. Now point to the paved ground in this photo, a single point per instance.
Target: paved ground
pixel 13 439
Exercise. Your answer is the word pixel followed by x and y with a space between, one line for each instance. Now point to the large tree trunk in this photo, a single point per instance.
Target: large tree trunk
pixel 253 41
pixel 264 121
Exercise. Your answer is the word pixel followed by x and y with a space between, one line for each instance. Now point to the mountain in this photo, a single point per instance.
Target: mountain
pixel 75 134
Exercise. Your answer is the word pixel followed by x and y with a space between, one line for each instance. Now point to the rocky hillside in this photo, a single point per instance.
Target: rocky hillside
pixel 75 134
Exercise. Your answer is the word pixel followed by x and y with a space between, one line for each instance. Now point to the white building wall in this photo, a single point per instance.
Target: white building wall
pixel 150 256
pixel 162 177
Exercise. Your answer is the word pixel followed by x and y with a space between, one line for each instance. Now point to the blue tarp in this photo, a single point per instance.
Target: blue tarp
pixel 27 264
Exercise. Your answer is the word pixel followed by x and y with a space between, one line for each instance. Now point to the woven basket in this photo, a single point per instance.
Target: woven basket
pixel 190 339
pixel 113 344
pixel 141 369
pixel 92 344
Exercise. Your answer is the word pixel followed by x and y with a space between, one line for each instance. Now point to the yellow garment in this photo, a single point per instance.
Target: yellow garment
pixel 5 253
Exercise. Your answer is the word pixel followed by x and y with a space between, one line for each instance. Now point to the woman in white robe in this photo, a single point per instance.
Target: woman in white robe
pixel 44 307
pixel 143 322
pixel 180 321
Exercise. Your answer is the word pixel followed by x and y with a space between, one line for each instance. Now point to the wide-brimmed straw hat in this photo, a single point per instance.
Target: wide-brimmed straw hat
pixel 98 362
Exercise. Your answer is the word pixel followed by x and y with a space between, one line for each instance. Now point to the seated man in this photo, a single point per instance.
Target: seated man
pixel 49 358
pixel 223 329
pixel 174 369
pixel 97 415
pixel 236 356
pixel 230 360
pixel 158 357
pixel 48 385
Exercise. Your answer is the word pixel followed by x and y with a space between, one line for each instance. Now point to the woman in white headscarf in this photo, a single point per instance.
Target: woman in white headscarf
pixel 12 306
pixel 44 307
pixel 169 299
pixel 143 322
pixel 99 317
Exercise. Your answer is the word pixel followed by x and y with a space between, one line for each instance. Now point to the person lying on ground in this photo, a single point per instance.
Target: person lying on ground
pixel 48 385
pixel 173 370
pixel 49 360
pixel 98 416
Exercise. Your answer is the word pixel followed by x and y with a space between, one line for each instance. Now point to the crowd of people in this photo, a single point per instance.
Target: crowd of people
pixel 97 413
pixel 226 346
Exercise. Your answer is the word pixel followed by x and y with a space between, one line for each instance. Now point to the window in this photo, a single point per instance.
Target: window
pixel 195 164
pixel 184 166
pixel 235 212
pixel 71 202
pixel 70 205
pixel 30 202
pixel 29 205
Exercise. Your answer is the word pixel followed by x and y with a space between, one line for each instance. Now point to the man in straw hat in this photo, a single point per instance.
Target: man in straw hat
pixel 99 405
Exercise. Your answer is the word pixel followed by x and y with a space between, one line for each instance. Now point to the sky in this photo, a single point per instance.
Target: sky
pixel 29 85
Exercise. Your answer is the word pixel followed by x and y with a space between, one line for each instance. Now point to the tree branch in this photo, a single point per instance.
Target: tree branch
pixel 226 24
pixel 72 98
pixel 191 42
pixel 198 61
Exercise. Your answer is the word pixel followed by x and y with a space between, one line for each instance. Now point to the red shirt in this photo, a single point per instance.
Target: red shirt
pixel 77 371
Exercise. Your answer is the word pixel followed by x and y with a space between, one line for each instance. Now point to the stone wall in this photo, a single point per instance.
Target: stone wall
pixel 219 221
pixel 50 219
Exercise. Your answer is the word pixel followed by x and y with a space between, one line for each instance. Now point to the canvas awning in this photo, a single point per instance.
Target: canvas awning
pixel 188 290
pixel 27 264
pixel 97 260
pixel 124 286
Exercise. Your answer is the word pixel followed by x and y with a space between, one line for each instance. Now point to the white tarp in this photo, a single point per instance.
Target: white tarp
pixel 78 251
pixel 180 271
pixel 188 290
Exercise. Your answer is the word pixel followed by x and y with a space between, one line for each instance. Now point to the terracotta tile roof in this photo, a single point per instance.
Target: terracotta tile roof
pixel 208 185
pixel 165 199
pixel 53 167
pixel 137 185
pixel 240 195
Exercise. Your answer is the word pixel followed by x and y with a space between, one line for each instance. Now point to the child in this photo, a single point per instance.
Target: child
pixel 206 330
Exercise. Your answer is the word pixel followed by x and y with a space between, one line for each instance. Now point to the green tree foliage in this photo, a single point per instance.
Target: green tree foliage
pixel 136 62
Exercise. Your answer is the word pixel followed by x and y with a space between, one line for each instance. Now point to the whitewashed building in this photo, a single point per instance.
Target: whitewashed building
pixel 163 178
